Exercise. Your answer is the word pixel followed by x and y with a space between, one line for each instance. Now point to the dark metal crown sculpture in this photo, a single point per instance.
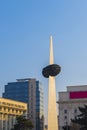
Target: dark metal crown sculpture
pixel 51 70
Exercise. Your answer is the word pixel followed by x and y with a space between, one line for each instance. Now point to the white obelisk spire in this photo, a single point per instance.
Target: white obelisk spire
pixel 51 51
pixel 52 112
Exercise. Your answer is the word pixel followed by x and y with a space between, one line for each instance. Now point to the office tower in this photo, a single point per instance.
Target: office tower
pixel 69 101
pixel 29 91
pixel 50 72
pixel 9 110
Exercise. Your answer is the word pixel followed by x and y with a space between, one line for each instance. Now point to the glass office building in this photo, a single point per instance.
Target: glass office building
pixel 29 91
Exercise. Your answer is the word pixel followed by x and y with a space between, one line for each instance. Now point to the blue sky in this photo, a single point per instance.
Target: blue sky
pixel 25 28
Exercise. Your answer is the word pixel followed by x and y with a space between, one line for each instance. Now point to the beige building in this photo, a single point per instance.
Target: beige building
pixel 9 109
pixel 69 101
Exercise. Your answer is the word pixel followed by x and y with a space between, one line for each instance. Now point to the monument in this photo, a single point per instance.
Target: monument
pixel 50 72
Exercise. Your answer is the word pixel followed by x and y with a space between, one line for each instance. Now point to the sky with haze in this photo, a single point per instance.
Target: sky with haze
pixel 25 29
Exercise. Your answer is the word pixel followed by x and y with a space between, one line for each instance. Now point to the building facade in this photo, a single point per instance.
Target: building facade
pixel 68 103
pixel 9 109
pixel 29 91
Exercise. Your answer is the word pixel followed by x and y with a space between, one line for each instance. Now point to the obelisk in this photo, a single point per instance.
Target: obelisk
pixel 50 72
pixel 52 110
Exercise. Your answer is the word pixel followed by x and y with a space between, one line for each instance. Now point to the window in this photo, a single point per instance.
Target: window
pixel 65 111
pixel 16 111
pixel 65 117
pixel 75 111
pixel 8 109
pixel 4 109
pixel 0 108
